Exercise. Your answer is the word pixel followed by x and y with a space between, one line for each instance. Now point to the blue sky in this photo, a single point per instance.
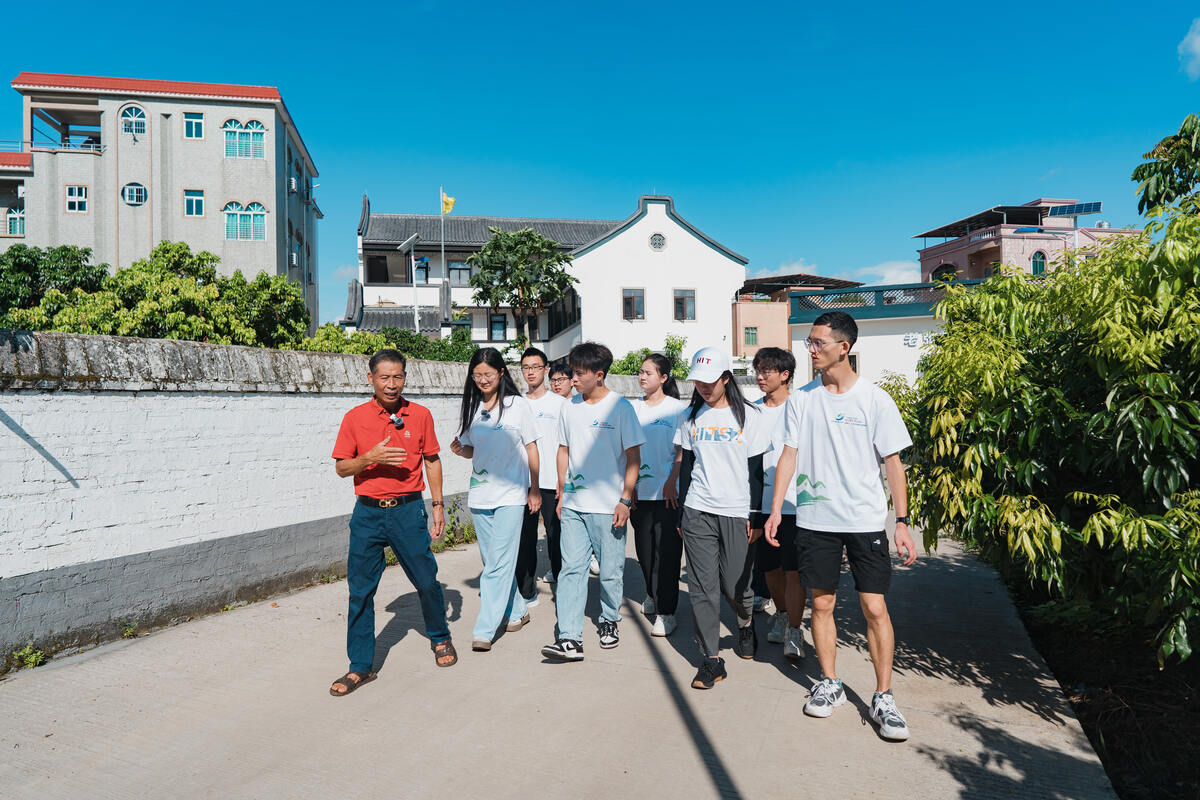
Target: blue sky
pixel 807 140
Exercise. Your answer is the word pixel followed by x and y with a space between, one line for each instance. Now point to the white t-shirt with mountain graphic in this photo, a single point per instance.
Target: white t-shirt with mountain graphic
pixel 597 436
pixel 546 410
pixel 499 467
pixel 840 440
pixel 658 453
pixel 772 417
pixel 721 474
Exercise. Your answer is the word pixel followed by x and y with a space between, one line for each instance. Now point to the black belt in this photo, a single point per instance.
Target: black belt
pixel 389 502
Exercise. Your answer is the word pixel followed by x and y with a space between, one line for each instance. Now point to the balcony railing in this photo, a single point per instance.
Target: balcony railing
pixel 18 146
pixel 869 302
pixel 986 233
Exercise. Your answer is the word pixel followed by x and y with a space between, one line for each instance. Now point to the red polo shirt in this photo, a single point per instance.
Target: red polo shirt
pixel 367 425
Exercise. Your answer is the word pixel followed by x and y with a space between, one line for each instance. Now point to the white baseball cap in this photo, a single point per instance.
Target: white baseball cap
pixel 708 364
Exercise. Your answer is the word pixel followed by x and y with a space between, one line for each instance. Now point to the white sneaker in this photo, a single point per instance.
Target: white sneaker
pixel 824 697
pixel 594 566
pixel 648 607
pixel 779 626
pixel 763 605
pixel 793 645
pixel 664 625
pixel 548 577
pixel 889 719
pixel 531 602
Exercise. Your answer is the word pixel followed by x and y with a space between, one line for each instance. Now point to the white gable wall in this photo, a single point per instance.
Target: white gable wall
pixel 627 261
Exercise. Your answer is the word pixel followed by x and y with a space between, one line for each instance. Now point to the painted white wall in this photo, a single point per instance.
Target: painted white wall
pixel 884 345
pixel 627 261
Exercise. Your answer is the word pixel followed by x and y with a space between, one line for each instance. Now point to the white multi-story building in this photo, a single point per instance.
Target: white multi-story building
pixel 639 279
pixel 121 164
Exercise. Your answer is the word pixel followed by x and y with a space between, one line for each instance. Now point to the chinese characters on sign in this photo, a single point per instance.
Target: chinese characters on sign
pixel 916 339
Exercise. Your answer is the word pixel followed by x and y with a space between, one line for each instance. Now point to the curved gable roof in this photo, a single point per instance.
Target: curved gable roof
pixel 643 201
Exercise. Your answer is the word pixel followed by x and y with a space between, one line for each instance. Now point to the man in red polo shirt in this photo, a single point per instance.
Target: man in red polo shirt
pixel 382 444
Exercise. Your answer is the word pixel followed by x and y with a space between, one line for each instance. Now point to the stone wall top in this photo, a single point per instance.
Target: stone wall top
pixel 78 363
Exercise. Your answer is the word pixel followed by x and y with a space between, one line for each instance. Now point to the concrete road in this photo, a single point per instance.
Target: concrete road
pixel 236 706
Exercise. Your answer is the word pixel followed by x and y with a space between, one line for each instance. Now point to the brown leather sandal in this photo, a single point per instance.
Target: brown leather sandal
pixel 349 681
pixel 445 649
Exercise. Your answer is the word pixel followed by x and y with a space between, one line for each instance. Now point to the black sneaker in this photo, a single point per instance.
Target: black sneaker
pixel 608 634
pixel 747 641
pixel 564 650
pixel 711 670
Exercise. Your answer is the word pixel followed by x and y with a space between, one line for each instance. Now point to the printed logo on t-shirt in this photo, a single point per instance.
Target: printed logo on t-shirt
pixel 664 422
pixel 477 478
pixel 804 497
pixel 600 424
pixel 574 483
pixel 716 433
pixel 645 473
pixel 544 415
pixel 847 419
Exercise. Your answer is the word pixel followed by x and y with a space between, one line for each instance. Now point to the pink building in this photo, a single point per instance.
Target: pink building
pixel 974 246
pixel 760 313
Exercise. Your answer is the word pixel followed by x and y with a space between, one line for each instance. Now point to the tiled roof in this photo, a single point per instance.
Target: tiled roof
pixel 376 319
pixel 774 283
pixel 16 159
pixel 473 231
pixel 46 80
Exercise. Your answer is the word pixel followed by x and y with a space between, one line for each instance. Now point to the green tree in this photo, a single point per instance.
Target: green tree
pixel 27 273
pixel 631 362
pixel 271 305
pixel 1172 169
pixel 1058 428
pixel 522 270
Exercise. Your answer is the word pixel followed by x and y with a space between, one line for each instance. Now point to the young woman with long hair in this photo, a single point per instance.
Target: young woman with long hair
pixel 655 515
pixel 497 433
pixel 721 479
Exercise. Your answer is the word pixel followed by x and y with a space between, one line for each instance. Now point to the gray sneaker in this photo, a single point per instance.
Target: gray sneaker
pixel 793 646
pixel 889 719
pixel 824 697
pixel 778 629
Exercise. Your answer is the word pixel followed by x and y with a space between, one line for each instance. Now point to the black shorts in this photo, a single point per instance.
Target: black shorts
pixel 820 560
pixel 768 558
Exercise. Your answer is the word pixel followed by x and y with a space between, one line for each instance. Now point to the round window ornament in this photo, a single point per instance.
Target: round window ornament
pixel 134 194
pixel 658 242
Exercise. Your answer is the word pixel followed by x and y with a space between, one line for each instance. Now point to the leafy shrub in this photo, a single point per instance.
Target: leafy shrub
pixel 1058 423
pixel 631 362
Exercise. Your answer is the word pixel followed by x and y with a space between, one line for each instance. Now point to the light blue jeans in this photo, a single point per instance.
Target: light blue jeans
pixel 498 531
pixel 583 534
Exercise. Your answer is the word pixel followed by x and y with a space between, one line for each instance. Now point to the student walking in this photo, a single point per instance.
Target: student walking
pixel 546 407
pixel 382 444
pixel 498 434
pixel 776 556
pixel 721 479
pixel 837 429
pixel 655 515
pixel 598 460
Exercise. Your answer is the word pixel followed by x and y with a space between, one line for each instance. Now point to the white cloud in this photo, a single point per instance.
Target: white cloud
pixel 786 268
pixel 1189 51
pixel 344 273
pixel 886 273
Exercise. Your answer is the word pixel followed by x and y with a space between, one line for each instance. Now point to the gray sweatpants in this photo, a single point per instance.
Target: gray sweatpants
pixel 719 562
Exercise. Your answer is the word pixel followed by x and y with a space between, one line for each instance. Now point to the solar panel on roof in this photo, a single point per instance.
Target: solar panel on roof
pixel 1074 210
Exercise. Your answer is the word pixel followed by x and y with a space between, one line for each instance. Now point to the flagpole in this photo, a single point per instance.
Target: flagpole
pixel 445 266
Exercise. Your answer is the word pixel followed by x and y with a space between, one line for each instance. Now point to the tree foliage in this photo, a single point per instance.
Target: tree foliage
pixel 1057 427
pixel 27 273
pixel 172 294
pixel 631 362
pixel 522 270
pixel 1172 169
pixel 332 339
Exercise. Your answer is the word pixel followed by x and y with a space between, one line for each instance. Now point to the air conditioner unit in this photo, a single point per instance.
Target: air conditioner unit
pixel 294 259
pixel 293 185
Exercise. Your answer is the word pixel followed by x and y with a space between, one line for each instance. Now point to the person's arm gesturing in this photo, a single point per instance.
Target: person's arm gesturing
pixel 379 454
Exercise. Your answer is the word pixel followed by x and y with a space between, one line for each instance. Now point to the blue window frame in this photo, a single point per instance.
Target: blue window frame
pixel 499 328
pixel 193 125
pixel 231 127
pixel 193 202
pixel 258 221
pixel 134 194
pixel 245 223
pixel 1037 263
pixel 15 218
pixel 133 120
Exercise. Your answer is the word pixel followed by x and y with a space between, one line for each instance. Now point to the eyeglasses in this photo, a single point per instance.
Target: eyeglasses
pixel 531 368
pixel 397 421
pixel 762 373
pixel 485 377
pixel 559 379
pixel 818 344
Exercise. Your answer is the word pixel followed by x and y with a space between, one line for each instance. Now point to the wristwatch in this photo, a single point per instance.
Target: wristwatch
pixel 903 519
pixel 626 503
pixel 436 503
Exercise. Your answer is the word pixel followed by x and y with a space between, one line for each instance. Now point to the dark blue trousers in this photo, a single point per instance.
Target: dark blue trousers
pixel 405 528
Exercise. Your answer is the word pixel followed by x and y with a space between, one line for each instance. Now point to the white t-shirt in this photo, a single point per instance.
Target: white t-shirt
pixel 840 440
pixel 658 453
pixel 773 419
pixel 546 410
pixel 500 467
pixel 597 436
pixel 721 474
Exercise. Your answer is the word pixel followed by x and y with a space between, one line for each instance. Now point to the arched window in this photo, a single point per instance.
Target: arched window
pixel 133 120
pixel 232 128
pixel 255 133
pixel 1037 263
pixel 15 219
pixel 245 223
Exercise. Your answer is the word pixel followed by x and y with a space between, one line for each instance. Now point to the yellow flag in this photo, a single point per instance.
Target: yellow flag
pixel 447 203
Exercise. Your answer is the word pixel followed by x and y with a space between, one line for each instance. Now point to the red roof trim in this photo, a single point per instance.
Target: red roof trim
pixel 46 80
pixel 16 160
